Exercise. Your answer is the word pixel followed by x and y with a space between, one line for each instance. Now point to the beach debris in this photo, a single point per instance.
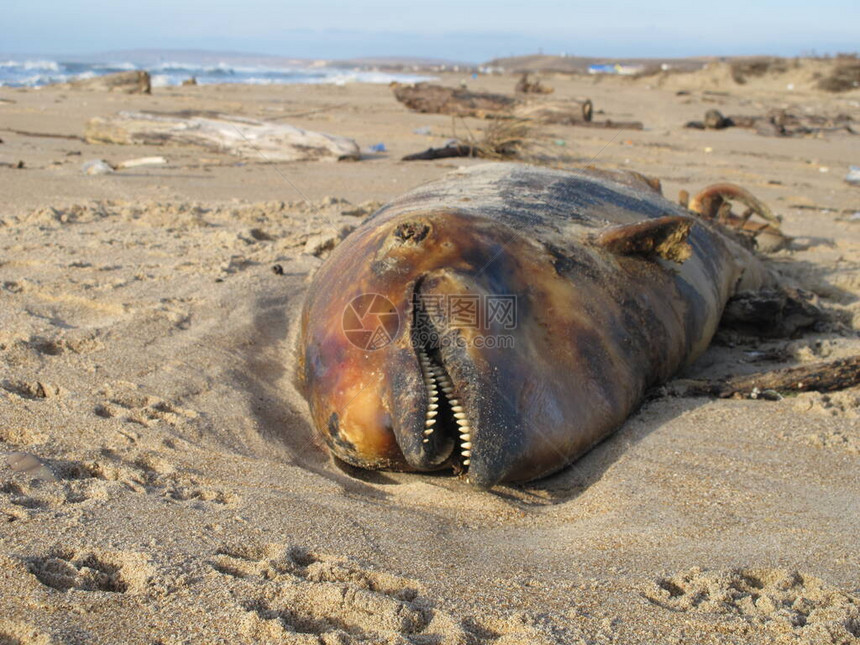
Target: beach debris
pixel 444 152
pixel 17 165
pixel 97 167
pixel 132 82
pixel 141 161
pixel 853 176
pixel 424 129
pixel 436 99
pixel 503 139
pixel 46 135
pixel 775 123
pixel 378 147
pixel 30 465
pixel 189 81
pixel 571 112
pixel 525 86
pixel 829 376
pixel 234 135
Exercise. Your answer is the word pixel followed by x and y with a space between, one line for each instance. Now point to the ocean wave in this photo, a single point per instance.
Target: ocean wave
pixel 36 73
pixel 116 67
pixel 29 65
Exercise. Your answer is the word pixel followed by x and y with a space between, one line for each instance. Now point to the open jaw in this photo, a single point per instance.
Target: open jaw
pixel 446 433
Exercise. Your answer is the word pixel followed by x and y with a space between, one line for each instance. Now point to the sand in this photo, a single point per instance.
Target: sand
pixel 161 482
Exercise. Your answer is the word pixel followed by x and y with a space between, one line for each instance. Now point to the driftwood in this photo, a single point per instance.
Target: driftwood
pixel 134 82
pixel 436 99
pixel 609 124
pixel 776 123
pixel 236 136
pixel 456 150
pixel 45 135
pixel 557 112
pixel 818 377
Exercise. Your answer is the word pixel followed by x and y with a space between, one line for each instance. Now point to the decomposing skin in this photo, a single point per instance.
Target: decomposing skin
pixel 615 289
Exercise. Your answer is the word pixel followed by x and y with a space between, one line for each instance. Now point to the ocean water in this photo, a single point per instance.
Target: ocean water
pixel 39 72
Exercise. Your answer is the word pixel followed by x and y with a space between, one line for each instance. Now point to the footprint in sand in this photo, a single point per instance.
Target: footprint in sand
pixel 109 571
pixel 770 597
pixel 294 595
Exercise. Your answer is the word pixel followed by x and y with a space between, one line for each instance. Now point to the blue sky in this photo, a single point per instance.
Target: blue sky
pixel 474 30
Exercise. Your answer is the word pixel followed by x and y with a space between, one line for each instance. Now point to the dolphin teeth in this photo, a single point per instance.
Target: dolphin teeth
pixel 436 378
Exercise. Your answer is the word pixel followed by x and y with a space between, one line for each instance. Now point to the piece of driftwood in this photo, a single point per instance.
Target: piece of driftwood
pixel 436 99
pixel 446 152
pixel 236 136
pixel 45 135
pixel 609 124
pixel 557 112
pixel 819 377
pixel 776 123
pixel 133 82
pixel 575 113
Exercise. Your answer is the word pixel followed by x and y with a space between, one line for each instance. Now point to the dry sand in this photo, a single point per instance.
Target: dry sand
pixel 171 490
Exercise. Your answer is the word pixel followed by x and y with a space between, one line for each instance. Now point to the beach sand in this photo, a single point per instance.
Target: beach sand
pixel 161 482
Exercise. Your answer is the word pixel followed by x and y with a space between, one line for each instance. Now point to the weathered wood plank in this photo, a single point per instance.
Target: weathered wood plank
pixel 237 136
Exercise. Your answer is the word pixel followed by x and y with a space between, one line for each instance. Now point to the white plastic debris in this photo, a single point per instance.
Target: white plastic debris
pixel 97 167
pixel 141 161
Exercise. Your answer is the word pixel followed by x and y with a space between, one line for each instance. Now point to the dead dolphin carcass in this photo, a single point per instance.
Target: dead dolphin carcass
pixel 504 319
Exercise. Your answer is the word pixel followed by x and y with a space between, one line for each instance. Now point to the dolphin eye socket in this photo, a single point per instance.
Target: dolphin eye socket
pixel 413 232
